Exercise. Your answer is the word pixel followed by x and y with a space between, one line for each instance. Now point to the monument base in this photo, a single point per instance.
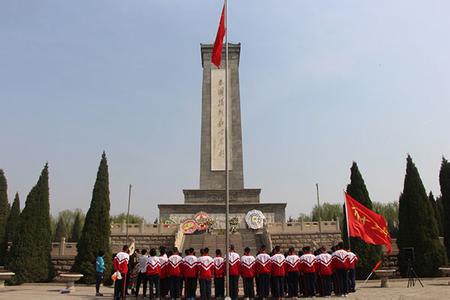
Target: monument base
pixel 274 212
pixel 218 196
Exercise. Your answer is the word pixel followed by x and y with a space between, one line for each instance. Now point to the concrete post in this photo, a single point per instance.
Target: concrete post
pixel 142 227
pixel 123 227
pixel 62 246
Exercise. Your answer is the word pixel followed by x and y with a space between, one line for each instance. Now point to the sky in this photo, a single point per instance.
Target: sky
pixel 323 84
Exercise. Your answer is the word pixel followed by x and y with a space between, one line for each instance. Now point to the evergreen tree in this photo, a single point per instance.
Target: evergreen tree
pixel 418 227
pixel 436 213
pixel 368 254
pixel 11 225
pixel 97 229
pixel 441 217
pixel 31 247
pixel 76 229
pixel 4 212
pixel 61 230
pixel 444 181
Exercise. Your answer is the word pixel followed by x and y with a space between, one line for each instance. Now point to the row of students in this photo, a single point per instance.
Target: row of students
pixel 273 274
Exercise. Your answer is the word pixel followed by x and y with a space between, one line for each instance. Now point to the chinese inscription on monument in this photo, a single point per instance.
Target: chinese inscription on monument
pixel 218 121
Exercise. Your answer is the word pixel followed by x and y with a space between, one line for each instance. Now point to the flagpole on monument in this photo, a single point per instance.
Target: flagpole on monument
pixel 346 221
pixel 227 171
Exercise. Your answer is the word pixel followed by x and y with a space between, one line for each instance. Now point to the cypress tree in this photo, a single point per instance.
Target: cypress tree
pixel 418 227
pixel 31 247
pixel 76 229
pixel 11 225
pixel 436 213
pixel 441 217
pixel 4 212
pixel 368 254
pixel 444 181
pixel 97 229
pixel 61 230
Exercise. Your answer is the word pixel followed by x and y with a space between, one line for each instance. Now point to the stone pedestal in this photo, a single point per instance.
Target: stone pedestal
pixel 445 271
pixel 69 279
pixel 384 276
pixel 5 275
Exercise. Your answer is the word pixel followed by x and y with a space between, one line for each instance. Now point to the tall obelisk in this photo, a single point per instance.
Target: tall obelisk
pixel 212 156
pixel 210 196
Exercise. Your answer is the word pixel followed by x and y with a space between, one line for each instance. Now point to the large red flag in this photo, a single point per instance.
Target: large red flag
pixel 366 224
pixel 218 44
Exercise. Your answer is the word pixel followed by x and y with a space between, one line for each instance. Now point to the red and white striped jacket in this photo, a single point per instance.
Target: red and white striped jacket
pixel 324 265
pixel 292 263
pixel 352 259
pixel 247 266
pixel 234 263
pixel 340 259
pixel 189 266
pixel 120 262
pixel 163 260
pixel 205 267
pixel 153 265
pixel 219 267
pixel 278 260
pixel 173 266
pixel 263 263
pixel 308 263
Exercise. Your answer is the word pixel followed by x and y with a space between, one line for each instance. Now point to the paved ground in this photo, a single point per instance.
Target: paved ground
pixel 436 288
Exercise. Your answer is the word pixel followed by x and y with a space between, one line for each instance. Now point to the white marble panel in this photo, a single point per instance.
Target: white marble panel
pixel 218 121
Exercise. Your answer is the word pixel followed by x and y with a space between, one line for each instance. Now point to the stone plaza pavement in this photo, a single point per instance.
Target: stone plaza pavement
pixel 435 288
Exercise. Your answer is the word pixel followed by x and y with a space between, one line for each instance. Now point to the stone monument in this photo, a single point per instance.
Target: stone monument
pixel 210 197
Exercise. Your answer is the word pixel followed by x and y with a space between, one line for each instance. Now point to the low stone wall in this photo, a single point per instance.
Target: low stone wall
pixel 64 248
pixel 62 264
pixel 143 241
pixel 143 229
pixel 304 227
pixel 299 240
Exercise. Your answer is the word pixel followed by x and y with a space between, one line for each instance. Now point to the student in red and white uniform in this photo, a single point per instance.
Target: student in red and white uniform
pixel 190 274
pixel 173 269
pixel 153 272
pixel 205 271
pixel 263 268
pixel 233 261
pixel 219 275
pixel 278 273
pixel 352 260
pixel 340 265
pixel 163 280
pixel 120 264
pixel 324 269
pixel 308 268
pixel 292 270
pixel 248 273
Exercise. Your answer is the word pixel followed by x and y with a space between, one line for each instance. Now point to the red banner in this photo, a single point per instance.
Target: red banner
pixel 366 224
pixel 216 57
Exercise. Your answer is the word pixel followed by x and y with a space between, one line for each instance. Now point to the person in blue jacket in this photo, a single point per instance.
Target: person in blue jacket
pixel 99 269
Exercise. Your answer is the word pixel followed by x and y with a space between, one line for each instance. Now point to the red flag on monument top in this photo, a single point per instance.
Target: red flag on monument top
pixel 366 224
pixel 216 57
